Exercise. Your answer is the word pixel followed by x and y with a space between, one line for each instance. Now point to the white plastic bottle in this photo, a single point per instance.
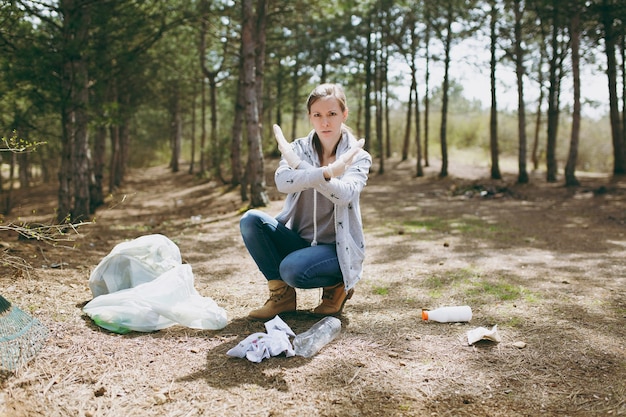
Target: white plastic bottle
pixel 448 314
pixel 319 335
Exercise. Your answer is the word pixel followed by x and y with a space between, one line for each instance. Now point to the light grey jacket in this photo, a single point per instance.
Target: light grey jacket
pixel 343 191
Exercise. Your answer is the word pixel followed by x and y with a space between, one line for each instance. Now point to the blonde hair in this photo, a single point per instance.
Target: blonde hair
pixel 327 90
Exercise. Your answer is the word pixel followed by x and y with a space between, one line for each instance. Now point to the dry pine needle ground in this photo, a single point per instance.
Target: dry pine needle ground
pixel 543 262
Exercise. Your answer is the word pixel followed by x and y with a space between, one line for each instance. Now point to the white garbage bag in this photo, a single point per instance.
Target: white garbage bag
pixel 134 262
pixel 151 302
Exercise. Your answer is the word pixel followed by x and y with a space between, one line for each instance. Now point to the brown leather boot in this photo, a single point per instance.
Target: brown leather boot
pixel 333 300
pixel 282 299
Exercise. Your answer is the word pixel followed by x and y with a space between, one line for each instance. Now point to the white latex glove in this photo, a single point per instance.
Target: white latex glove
pixel 285 148
pixel 338 167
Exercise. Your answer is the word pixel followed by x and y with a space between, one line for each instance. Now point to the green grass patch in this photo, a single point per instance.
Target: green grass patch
pixel 501 291
pixel 381 291
pixel 476 288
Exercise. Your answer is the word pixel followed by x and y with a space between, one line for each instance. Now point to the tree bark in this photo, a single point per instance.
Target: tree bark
pixel 493 120
pixel 75 173
pixel 409 117
pixel 554 91
pixel 617 133
pixel 427 92
pixel 443 133
pixel 570 166
pixel 236 133
pixel 255 171
pixel 368 88
pixel 418 134
pixel 522 176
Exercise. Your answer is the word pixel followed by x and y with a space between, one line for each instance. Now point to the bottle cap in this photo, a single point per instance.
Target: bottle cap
pixel 424 315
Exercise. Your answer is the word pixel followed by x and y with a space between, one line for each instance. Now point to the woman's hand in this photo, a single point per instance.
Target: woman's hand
pixel 338 167
pixel 285 148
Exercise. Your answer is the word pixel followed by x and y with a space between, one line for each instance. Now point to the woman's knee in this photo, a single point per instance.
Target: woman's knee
pixel 292 274
pixel 249 220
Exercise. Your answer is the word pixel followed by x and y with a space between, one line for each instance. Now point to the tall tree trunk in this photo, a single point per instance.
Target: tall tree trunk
pixel 80 159
pixel 444 102
pixel 623 57
pixel 409 115
pixel 538 120
pixel 538 116
pixel 259 68
pixel 386 103
pixel 553 98
pixel 215 146
pixel 418 134
pixel 379 111
pixel 617 133
pixel 522 176
pixel 176 126
pixel 279 96
pixel 570 166
pixel 427 92
pixel 493 120
pixel 295 96
pixel 211 75
pixel 99 151
pixel 125 137
pixel 114 158
pixel 74 176
pixel 255 171
pixel 192 158
pixel 236 140
pixel 368 87
pixel 203 127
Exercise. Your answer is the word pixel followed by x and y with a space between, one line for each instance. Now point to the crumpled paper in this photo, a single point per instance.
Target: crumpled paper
pixel 259 346
pixel 482 333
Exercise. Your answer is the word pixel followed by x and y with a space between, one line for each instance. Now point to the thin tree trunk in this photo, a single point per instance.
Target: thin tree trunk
pixel 418 134
pixel 553 101
pixel 427 92
pixel 570 167
pixel 379 112
pixel 175 130
pixel 114 138
pixel 215 147
pixel 539 115
pixel 99 150
pixel 74 174
pixel 255 171
pixel 261 42
pixel 203 127
pixel 368 88
pixel 192 158
pixel 295 96
pixel 236 139
pixel 522 176
pixel 617 134
pixel 444 103
pixel 493 121
pixel 409 114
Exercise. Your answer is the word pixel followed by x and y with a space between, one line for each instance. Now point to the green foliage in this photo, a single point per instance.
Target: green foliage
pixel 144 66
pixel 18 145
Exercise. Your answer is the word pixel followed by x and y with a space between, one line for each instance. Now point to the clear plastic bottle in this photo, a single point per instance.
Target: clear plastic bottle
pixel 319 335
pixel 448 314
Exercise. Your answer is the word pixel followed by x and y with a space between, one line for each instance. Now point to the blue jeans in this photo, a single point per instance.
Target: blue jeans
pixel 280 253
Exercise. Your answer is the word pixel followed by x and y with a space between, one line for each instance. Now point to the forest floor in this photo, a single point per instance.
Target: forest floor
pixel 543 262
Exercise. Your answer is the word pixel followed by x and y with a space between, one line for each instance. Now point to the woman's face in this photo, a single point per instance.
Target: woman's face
pixel 327 117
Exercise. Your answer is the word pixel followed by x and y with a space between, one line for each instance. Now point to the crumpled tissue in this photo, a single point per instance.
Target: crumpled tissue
pixel 482 333
pixel 259 346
